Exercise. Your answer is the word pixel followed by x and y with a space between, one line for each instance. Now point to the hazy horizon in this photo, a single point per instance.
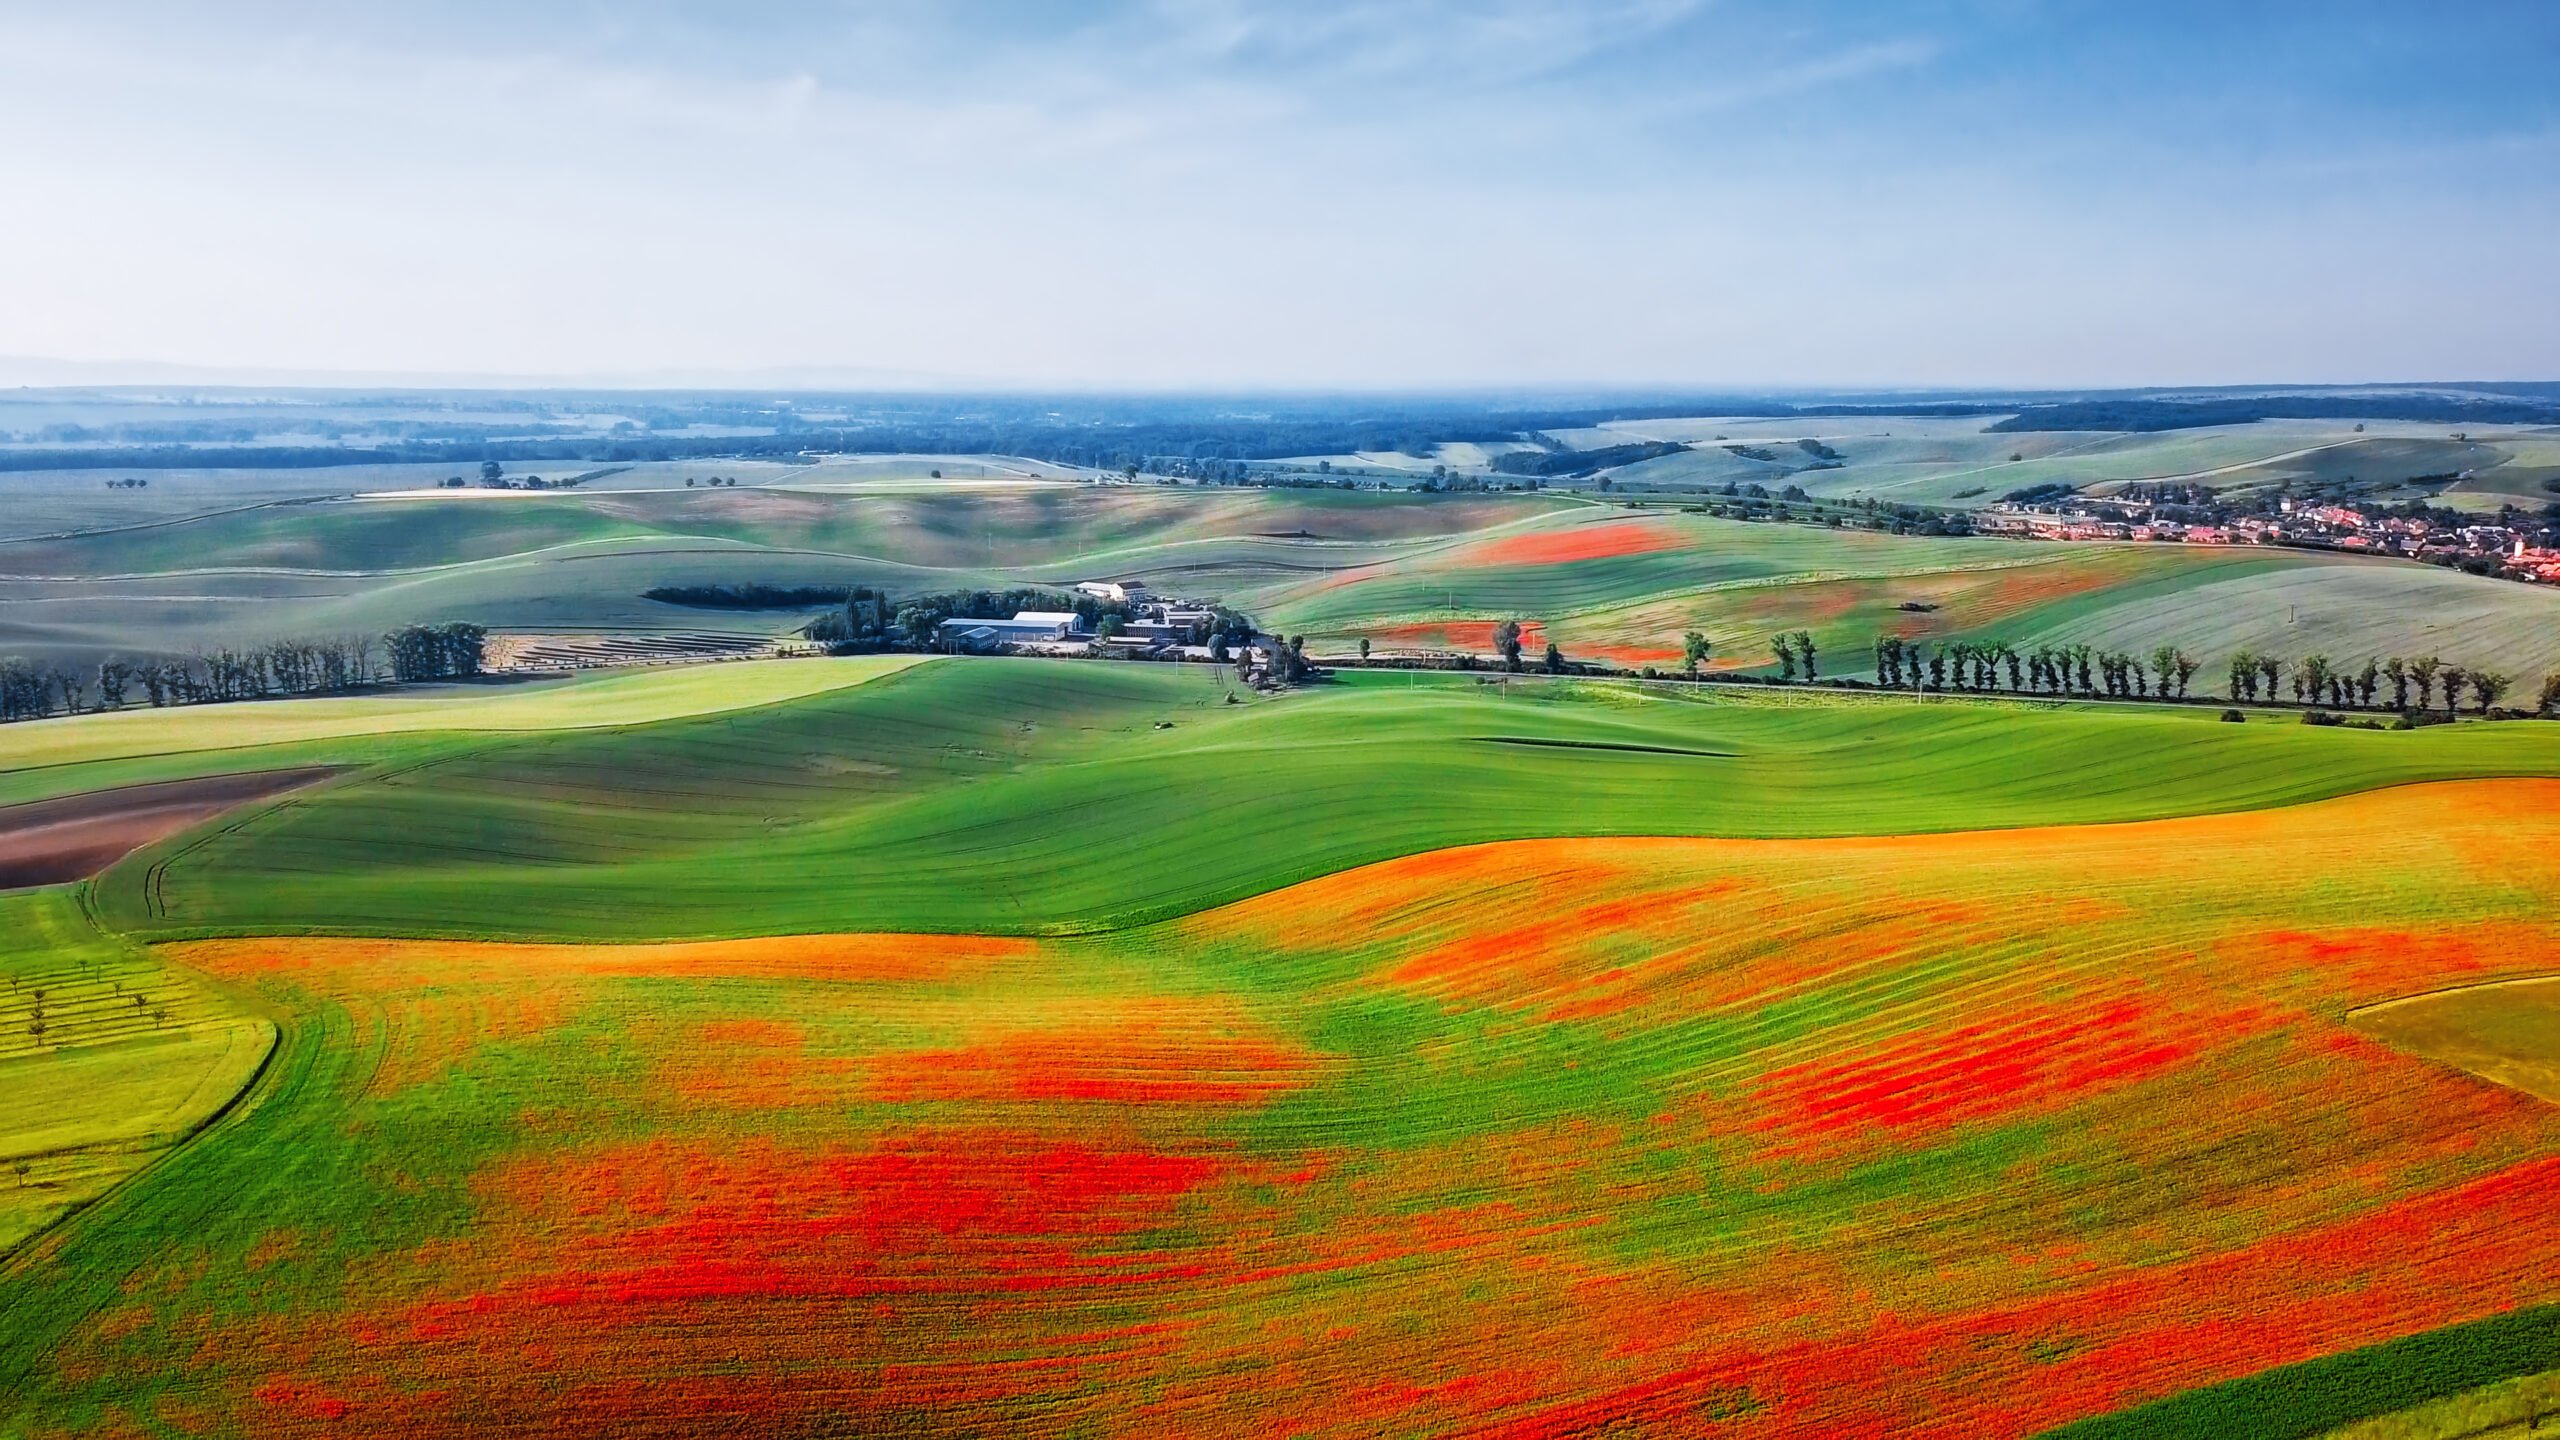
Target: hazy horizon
pixel 1228 195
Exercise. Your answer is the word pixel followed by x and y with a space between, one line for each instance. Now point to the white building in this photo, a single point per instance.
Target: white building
pixel 1027 627
pixel 1121 592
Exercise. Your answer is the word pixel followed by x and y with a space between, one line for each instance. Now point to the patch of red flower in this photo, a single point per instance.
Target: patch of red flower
pixel 2414 1265
pixel 1468 635
pixel 1937 1078
pixel 1110 1065
pixel 1607 540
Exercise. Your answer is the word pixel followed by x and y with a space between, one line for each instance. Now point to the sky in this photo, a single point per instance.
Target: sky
pixel 1222 194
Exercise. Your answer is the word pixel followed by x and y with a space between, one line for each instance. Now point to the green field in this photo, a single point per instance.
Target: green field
pixel 956 1045
pixel 594 700
pixel 971 795
pixel 1740 583
pixel 1398 569
pixel 1326 1026
pixel 108 1057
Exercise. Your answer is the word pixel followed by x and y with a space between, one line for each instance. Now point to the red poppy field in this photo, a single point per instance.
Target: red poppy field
pixel 1956 1135
pixel 1608 540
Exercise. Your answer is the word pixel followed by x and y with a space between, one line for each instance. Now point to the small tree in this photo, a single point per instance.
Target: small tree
pixel 1806 653
pixel 2422 678
pixel 2311 678
pixel 1364 647
pixel 2396 670
pixel 2453 678
pixel 1555 659
pixel 1506 641
pixel 1782 646
pixel 1693 649
pixel 2488 687
pixel 115 676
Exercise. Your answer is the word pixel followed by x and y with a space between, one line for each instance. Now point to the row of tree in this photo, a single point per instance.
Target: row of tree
pixel 312 666
pixel 2415 683
pixel 2046 670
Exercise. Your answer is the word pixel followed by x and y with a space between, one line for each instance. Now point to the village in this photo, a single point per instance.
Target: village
pixel 2408 531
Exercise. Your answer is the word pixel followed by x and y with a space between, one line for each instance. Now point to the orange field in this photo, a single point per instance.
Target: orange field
pixel 1950 1135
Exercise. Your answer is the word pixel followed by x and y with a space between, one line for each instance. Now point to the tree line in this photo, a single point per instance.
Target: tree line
pixel 749 596
pixel 2061 670
pixel 2415 683
pixel 309 666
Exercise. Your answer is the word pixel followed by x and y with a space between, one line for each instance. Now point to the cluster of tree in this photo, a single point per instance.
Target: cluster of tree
pixel 130 482
pixel 861 622
pixel 1284 661
pixel 2415 683
pixel 1984 666
pixel 2045 493
pixel 733 480
pixel 749 596
pixel 28 690
pixel 436 652
pixel 1555 464
pixel 1793 649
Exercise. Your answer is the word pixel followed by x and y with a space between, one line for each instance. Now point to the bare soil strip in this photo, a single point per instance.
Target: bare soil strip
pixel 73 837
pixel 2506 1032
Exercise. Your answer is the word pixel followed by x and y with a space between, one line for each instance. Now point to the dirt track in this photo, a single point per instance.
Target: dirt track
pixel 74 836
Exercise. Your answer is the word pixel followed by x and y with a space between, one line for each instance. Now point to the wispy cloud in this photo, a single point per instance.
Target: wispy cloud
pixel 1222 191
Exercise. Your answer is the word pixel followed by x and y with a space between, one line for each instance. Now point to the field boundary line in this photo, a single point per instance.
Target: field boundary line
pixel 2444 990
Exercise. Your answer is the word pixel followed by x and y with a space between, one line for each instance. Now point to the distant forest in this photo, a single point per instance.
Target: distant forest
pixel 1214 436
pixel 2150 415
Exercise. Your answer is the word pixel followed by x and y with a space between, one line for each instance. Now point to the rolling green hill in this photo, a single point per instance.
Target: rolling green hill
pixel 1032 796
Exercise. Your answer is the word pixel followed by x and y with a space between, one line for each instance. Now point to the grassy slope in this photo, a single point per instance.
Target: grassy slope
pixel 1944 1136
pixel 614 698
pixel 583 560
pixel 107 1057
pixel 1741 583
pixel 2510 1409
pixel 1035 796
pixel 1330 565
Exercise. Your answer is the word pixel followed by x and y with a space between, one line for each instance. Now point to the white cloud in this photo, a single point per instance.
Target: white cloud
pixel 1177 192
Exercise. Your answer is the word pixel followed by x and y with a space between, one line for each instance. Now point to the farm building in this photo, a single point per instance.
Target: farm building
pixel 1124 592
pixel 1027 627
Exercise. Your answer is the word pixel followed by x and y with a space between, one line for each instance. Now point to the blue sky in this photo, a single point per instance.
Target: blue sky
pixel 1215 193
